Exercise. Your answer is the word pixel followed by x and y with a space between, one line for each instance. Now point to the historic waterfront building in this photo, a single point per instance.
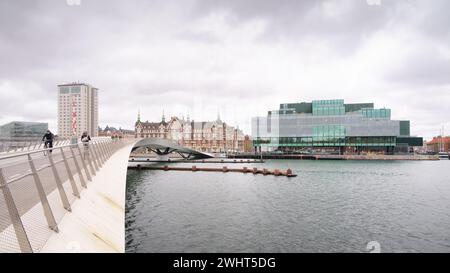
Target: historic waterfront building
pixel 334 126
pixel 207 136
pixel 439 144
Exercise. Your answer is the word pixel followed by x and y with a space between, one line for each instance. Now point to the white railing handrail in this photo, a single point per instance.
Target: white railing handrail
pixel 19 154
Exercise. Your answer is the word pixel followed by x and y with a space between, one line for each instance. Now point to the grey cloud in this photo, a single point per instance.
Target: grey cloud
pixel 424 68
pixel 294 20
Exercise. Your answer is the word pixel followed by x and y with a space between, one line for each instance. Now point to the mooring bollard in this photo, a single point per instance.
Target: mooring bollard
pixel 264 171
pixel 194 168
pixel 245 169
pixel 138 166
pixel 166 168
pixel 225 169
pixel 255 170
pixel 276 172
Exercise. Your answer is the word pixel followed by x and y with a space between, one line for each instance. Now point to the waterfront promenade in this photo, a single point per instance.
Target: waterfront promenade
pixel 335 157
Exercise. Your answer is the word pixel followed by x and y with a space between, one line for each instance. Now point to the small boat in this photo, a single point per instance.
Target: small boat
pixel 443 155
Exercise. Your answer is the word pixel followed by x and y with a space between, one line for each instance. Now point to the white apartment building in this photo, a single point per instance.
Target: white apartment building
pixel 77 110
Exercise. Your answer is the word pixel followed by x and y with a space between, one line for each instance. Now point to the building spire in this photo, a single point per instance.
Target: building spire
pixel 163 117
pixel 218 115
pixel 139 115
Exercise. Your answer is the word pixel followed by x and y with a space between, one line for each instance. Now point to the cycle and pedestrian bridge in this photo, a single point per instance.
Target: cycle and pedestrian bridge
pixel 72 199
pixel 162 148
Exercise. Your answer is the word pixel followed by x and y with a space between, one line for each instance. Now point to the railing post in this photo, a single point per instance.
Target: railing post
pixel 105 149
pixel 59 185
pixel 108 148
pixel 105 153
pixel 69 173
pixel 21 235
pixel 77 166
pixel 83 161
pixel 98 153
pixel 91 160
pixel 94 157
pixel 44 201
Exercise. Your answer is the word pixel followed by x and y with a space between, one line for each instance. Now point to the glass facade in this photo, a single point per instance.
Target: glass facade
pixel 23 130
pixel 64 90
pixel 376 113
pixel 17 134
pixel 75 89
pixel 328 123
pixel 328 135
pixel 328 107
pixel 70 90
pixel 405 127
pixel 326 142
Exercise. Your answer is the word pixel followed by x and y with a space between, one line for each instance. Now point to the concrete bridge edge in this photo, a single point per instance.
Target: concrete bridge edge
pixel 97 220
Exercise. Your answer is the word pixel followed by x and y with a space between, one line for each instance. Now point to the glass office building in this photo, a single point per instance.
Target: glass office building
pixel 18 134
pixel 332 125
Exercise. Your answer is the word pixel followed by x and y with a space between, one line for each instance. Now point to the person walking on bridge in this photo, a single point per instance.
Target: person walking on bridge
pixel 85 138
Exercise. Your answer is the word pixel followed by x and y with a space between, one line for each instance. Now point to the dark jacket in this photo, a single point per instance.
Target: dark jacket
pixel 48 137
pixel 88 138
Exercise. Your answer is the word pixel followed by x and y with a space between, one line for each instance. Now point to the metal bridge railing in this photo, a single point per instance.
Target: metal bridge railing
pixel 37 189
pixel 37 145
pixel 32 146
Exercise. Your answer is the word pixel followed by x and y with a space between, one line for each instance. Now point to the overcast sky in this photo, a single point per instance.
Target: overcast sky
pixel 239 57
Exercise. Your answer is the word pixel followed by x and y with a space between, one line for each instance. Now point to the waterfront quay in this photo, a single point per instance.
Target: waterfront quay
pixel 334 157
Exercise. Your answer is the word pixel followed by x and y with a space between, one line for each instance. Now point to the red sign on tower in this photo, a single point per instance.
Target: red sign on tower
pixel 74 116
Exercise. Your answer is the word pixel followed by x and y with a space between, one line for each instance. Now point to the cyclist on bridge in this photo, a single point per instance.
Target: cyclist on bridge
pixel 48 140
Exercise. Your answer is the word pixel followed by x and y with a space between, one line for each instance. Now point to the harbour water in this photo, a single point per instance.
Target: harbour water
pixel 331 206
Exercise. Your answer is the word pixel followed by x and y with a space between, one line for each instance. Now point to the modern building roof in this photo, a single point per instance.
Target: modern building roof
pixel 74 84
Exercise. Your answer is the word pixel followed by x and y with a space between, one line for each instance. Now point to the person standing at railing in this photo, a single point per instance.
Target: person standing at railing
pixel 48 140
pixel 85 138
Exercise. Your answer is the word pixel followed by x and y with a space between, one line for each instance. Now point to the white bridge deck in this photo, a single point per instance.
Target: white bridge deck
pixel 96 223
